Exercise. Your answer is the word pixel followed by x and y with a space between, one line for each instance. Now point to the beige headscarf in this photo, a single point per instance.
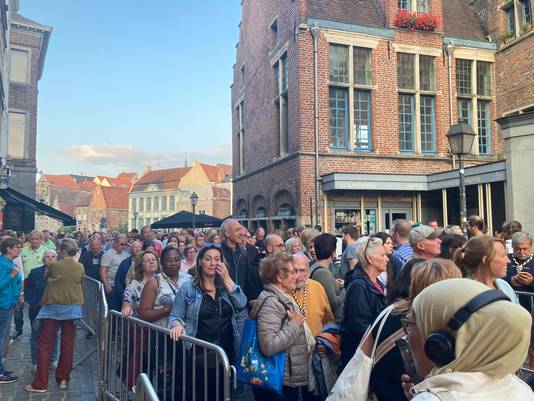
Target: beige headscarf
pixel 494 340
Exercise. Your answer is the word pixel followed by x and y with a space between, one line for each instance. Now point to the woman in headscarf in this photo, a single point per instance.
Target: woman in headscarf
pixel 489 347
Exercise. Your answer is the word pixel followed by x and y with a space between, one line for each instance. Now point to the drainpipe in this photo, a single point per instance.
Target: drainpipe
pixel 449 49
pixel 315 35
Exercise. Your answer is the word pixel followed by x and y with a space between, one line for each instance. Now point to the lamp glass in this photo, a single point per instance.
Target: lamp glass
pixel 194 198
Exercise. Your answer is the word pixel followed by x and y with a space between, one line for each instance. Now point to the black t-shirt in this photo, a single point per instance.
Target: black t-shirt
pixel 91 264
pixel 215 323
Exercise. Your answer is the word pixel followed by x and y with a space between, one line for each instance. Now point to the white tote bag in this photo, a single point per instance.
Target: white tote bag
pixel 353 383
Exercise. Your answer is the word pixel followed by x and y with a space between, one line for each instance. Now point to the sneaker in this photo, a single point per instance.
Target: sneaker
pixel 53 366
pixel 62 384
pixel 30 389
pixel 7 378
pixel 9 372
pixel 16 336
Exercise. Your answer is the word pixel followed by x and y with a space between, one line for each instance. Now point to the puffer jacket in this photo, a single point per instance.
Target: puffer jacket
pixel 277 333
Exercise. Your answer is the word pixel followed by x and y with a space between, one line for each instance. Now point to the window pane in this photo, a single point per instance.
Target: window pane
pixel 428 124
pixel 16 135
pixel 362 66
pixel 406 70
pixel 339 63
pixel 526 12
pixel 464 111
pixel 483 78
pixel 148 204
pixel 510 19
pixel 484 125
pixel 164 203
pixel 406 112
pixel 281 71
pixel 362 119
pixel 141 204
pixel 156 204
pixel 284 145
pixel 18 70
pixel 463 77
pixel 338 118
pixel 422 6
pixel 403 4
pixel 172 204
pixel 134 205
pixel 426 73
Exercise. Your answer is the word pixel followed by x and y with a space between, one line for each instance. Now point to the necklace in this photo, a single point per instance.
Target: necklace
pixel 520 266
pixel 303 306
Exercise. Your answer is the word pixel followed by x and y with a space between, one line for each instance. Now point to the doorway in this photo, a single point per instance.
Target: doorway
pixel 390 215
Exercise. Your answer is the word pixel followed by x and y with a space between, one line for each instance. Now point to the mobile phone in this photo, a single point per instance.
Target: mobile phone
pixel 407 360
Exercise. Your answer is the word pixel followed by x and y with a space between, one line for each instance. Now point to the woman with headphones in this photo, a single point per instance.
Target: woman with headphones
pixel 468 341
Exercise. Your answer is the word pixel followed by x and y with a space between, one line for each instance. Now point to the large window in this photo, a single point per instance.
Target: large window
pixel 163 203
pixel 241 136
pixel 404 4
pixel 156 204
pixel 16 141
pixel 280 69
pixel 350 79
pixel 416 103
pixel 141 204
pixel 474 87
pixel 134 204
pixel 172 203
pixel 148 204
pixel 18 69
pixel 422 6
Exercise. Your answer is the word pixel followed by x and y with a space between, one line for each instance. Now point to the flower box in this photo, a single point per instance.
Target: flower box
pixel 416 21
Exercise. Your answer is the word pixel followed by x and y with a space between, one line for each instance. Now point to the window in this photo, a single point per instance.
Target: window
pixel 526 12
pixel 241 136
pixel 474 103
pixel 16 140
pixel 463 77
pixel 18 69
pixel 339 63
pixel 362 119
pixel 422 6
pixel 172 203
pixel 406 70
pixel 134 204
pixel 148 204
pixel 156 204
pixel 141 204
pixel 164 203
pixel 404 4
pixel 350 92
pixel 417 104
pixel 362 66
pixel 510 19
pixel 280 69
pixel 428 124
pixel 406 118
pixel 426 73
pixel 274 32
pixel 484 124
pixel 483 78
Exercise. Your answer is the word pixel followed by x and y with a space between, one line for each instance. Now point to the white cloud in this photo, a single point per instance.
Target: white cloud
pixel 129 157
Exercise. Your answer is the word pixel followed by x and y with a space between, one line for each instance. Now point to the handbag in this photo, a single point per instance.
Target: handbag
pixel 353 383
pixel 253 367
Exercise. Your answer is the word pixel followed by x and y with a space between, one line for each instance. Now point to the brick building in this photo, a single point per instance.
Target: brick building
pixel 162 193
pixel 107 209
pixel 378 83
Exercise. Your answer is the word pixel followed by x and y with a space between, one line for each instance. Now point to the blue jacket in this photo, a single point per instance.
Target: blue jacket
pixel 34 286
pixel 120 276
pixel 187 303
pixel 10 287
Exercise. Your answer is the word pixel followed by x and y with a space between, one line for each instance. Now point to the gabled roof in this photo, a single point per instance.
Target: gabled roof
pixel 213 173
pixel 165 179
pixel 226 168
pixel 67 207
pixel 87 186
pixel 16 17
pixel 347 11
pixel 127 176
pixel 461 22
pixel 116 198
pixel 61 181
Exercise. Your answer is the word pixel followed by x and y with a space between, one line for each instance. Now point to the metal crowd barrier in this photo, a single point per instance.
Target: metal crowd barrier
pixel 144 390
pixel 95 312
pixel 526 299
pixel 176 372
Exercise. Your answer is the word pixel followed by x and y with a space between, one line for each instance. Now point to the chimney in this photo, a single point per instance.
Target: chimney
pixel 147 169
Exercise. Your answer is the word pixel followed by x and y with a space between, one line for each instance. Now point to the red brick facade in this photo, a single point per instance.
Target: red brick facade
pixel 271 181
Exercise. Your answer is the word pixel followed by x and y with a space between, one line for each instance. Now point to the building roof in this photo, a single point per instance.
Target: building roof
pixel 87 186
pixel 461 22
pixel 226 168
pixel 127 176
pixel 67 207
pixel 84 199
pixel 165 179
pixel 116 198
pixel 16 17
pixel 61 181
pixel 347 11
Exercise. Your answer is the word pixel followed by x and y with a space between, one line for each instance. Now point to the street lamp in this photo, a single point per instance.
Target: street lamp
pixel 135 214
pixel 194 201
pixel 461 137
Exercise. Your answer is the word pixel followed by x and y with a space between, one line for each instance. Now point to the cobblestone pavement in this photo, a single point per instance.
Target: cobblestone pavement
pixel 82 386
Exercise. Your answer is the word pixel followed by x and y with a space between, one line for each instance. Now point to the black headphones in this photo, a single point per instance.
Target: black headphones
pixel 440 345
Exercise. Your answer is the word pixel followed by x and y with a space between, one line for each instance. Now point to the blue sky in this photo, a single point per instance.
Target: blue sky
pixel 130 83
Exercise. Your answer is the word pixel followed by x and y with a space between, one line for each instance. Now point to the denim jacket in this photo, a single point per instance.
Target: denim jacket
pixel 186 307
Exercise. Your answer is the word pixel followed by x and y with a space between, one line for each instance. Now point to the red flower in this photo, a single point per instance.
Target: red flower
pixel 416 21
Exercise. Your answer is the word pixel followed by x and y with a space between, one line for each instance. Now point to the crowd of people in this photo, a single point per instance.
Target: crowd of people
pixel 311 303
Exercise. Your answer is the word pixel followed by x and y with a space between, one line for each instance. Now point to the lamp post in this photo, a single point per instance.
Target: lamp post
pixel 461 137
pixel 194 201
pixel 135 214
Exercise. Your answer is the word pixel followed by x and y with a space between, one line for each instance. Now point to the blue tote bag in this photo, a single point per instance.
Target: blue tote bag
pixel 255 368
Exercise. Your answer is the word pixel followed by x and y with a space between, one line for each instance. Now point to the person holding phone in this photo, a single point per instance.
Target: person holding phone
pixel 205 308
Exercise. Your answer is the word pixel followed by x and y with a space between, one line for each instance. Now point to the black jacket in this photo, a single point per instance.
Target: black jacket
pixel 243 268
pixel 363 303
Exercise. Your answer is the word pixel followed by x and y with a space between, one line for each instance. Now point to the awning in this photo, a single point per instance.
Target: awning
pixel 184 219
pixel 15 197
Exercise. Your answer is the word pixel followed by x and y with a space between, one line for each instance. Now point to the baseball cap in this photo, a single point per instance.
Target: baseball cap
pixel 422 232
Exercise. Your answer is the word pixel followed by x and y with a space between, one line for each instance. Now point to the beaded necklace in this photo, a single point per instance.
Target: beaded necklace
pixel 520 266
pixel 303 306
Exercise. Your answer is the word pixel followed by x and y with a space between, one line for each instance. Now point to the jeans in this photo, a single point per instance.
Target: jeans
pixel 47 334
pixel 36 325
pixel 5 324
pixel 19 317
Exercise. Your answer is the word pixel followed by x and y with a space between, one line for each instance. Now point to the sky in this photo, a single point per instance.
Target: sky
pixel 134 83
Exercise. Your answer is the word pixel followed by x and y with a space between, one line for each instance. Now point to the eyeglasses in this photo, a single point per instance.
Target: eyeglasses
pixel 405 322
pixel 126 244
pixel 367 246
pixel 291 272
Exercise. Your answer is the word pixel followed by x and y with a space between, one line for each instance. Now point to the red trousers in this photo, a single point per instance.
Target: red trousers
pixel 47 336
